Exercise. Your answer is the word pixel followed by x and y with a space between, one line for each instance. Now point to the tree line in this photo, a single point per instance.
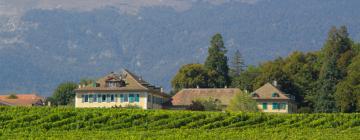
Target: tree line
pixel 327 80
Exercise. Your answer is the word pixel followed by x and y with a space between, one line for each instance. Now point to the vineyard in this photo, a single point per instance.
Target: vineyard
pixel 71 123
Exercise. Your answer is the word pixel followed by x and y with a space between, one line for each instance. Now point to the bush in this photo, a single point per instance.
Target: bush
pixel 12 96
pixel 242 102
pixel 209 104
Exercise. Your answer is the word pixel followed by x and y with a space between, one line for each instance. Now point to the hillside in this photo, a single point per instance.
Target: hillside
pixel 96 123
pixel 48 46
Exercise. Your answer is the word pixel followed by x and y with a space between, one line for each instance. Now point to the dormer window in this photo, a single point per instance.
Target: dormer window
pixel 255 95
pixel 275 95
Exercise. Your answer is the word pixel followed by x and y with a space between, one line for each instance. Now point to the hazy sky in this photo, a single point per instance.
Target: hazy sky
pixel 18 7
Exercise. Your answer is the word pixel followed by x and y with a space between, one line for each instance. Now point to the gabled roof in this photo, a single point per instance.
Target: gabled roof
pixel 132 83
pixel 186 96
pixel 267 91
pixel 21 100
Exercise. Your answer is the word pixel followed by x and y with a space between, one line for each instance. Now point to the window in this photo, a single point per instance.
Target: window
pixel 255 95
pixel 91 98
pixel 103 98
pixel 275 106
pixel 275 95
pixel 131 98
pixel 82 98
pixel 112 98
pixel 149 98
pixel 107 97
pixel 86 98
pixel 264 106
pixel 137 97
pixel 122 98
pixel 283 106
pixel 95 98
pixel 99 98
pixel 126 99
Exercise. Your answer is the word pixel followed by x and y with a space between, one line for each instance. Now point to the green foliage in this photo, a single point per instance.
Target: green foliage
pixel 237 64
pixel 216 63
pixel 242 102
pixel 64 94
pixel 209 104
pixel 312 77
pixel 12 96
pixel 246 79
pixel 113 123
pixel 337 54
pixel 348 91
pixel 190 76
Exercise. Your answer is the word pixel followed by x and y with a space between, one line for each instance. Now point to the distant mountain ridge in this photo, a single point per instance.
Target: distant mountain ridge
pixel 52 46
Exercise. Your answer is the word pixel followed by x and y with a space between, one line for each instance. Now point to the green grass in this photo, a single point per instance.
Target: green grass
pixel 71 123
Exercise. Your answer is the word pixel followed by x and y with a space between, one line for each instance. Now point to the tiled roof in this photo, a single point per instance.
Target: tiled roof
pixel 186 96
pixel 133 83
pixel 21 100
pixel 267 91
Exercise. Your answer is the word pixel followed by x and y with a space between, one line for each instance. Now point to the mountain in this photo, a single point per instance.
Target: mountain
pixel 44 47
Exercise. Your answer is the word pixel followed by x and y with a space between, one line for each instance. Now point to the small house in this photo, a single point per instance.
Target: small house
pixel 270 98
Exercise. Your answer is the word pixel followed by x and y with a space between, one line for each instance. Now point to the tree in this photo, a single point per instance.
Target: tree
pixel 348 91
pixel 64 94
pixel 190 76
pixel 238 64
pixel 216 63
pixel 242 102
pixel 246 79
pixel 324 100
pixel 336 56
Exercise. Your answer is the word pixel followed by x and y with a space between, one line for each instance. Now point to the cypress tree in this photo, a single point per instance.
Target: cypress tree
pixel 216 63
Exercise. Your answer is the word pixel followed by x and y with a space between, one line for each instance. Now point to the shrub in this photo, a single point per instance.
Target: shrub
pixel 242 102
pixel 209 104
pixel 12 96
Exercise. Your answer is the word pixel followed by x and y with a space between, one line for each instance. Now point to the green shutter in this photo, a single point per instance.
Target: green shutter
pixel 137 98
pixel 275 106
pixel 264 106
pixel 131 98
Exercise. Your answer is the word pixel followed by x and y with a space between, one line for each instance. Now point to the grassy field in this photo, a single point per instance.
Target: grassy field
pixel 71 123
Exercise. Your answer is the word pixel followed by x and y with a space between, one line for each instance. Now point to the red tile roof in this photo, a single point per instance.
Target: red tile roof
pixel 21 100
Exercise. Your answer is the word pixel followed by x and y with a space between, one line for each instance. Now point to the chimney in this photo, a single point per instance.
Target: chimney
pixel 275 83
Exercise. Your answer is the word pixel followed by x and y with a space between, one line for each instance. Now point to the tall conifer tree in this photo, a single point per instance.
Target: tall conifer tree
pixel 216 63
pixel 237 64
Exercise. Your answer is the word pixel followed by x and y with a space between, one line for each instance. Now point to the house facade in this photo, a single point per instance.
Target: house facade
pixel 21 100
pixel 184 98
pixel 270 99
pixel 120 90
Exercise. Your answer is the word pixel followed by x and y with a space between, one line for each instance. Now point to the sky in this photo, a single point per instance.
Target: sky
pixel 16 8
